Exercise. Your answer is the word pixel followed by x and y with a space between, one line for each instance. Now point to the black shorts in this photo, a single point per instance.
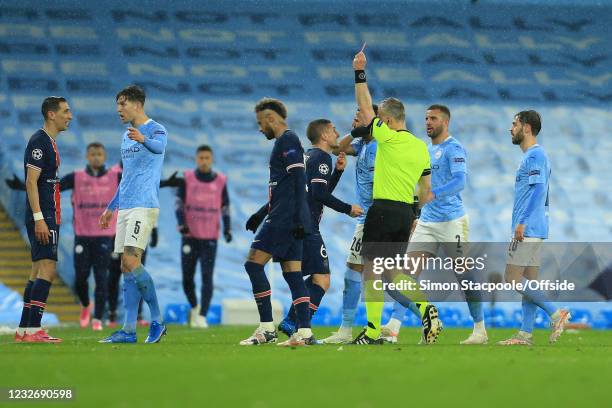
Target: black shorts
pixel 38 250
pixel 315 256
pixel 279 242
pixel 386 230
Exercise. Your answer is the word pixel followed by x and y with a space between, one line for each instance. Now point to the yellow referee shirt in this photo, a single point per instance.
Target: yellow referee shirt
pixel 401 160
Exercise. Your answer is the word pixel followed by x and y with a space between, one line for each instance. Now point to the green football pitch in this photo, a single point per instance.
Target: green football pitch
pixel 209 369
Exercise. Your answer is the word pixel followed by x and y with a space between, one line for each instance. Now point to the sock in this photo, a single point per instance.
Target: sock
pixel 131 299
pixel 316 295
pixel 479 327
pixel 473 299
pixel 300 297
pixel 147 290
pixel 350 297
pixel 529 312
pixel 537 297
pixel 374 313
pixel 394 325
pixel 38 301
pixel 476 312
pixel 261 290
pixel 25 312
pixel 410 299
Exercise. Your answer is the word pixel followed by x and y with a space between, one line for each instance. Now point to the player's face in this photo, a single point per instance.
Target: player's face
pixel 263 121
pixel 62 117
pixel 126 109
pixel 434 123
pixel 332 135
pixel 517 132
pixel 204 161
pixel 96 156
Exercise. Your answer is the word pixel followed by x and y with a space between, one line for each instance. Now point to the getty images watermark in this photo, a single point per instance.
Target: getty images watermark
pixel 474 266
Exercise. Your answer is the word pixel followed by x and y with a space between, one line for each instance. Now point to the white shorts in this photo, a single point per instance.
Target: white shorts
pixel 525 253
pixel 354 256
pixel 134 227
pixel 452 235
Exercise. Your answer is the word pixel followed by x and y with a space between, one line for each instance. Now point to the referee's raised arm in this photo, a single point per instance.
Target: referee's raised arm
pixel 362 93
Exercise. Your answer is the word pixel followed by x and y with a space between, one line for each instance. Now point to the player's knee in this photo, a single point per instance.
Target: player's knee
pixel 354 267
pixel 321 280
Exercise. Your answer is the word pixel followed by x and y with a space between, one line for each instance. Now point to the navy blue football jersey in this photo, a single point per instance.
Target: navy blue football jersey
pixel 42 155
pixel 286 155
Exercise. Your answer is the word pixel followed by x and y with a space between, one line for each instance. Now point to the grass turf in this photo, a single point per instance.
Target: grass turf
pixel 194 367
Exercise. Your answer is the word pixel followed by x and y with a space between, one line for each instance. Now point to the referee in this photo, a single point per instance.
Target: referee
pixel 402 162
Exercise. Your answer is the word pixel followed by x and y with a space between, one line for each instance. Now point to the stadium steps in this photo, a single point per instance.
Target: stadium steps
pixel 15 267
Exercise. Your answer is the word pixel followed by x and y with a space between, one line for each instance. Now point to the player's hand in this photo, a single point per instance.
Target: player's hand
pixel 105 218
pixel 253 223
pixel 414 225
pixel 356 211
pixel 429 197
pixel 171 181
pixel 134 134
pixel 154 238
pixel 41 232
pixel 519 232
pixel 359 62
pixel 228 236
pixel 341 161
pixel 298 231
pixel 183 229
pixel 15 183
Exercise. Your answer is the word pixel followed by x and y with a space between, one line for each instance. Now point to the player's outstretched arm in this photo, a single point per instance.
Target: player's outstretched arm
pixel 67 182
pixel 344 146
pixel 362 93
pixel 172 181
pixel 15 183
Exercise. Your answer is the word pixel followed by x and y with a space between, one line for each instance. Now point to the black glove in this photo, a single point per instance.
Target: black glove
pixel 153 242
pixel 360 131
pixel 253 222
pixel 228 236
pixel 15 183
pixel 171 181
pixel 183 229
pixel 298 231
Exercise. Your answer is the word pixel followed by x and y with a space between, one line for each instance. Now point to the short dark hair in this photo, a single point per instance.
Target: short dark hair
pixel 532 118
pixel 442 108
pixel 315 129
pixel 95 145
pixel 51 104
pixel 204 148
pixel 375 109
pixel 272 104
pixel 132 93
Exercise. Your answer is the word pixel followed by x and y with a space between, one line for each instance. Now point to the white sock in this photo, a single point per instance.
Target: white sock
pixel 524 334
pixel 305 332
pixel 479 327
pixel 32 330
pixel 345 330
pixel 267 326
pixel 394 325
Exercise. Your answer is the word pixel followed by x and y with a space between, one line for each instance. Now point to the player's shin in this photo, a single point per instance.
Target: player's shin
pixel 147 290
pixel 261 292
pixel 350 297
pixel 529 311
pixel 316 293
pixel 131 299
pixel 25 312
pixel 537 297
pixel 301 300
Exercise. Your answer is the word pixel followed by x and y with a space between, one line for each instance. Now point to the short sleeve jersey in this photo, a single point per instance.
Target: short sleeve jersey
pixel 42 155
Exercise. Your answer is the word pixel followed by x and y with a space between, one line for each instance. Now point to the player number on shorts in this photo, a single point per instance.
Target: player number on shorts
pixel 136 229
pixel 458 237
pixel 356 245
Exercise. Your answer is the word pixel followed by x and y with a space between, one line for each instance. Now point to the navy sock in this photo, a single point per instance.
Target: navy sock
pixel 261 290
pixel 25 312
pixel 38 301
pixel 147 290
pixel 299 294
pixel 316 295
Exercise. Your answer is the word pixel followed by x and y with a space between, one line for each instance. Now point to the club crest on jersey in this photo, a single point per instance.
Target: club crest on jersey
pixel 323 168
pixel 37 154
pixel 438 154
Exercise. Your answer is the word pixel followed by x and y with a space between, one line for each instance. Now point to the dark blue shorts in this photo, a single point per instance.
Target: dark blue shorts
pixel 38 250
pixel 279 242
pixel 315 259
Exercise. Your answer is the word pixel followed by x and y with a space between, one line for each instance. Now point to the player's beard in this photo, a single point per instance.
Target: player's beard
pixel 268 133
pixel 435 132
pixel 518 138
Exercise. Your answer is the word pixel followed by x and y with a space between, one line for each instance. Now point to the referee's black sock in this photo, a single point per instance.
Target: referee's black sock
pixel 261 290
pixel 300 297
